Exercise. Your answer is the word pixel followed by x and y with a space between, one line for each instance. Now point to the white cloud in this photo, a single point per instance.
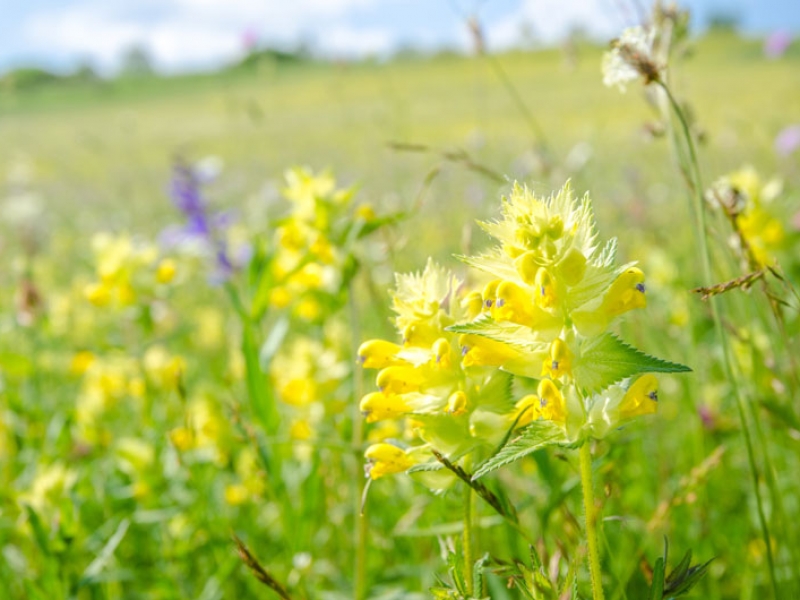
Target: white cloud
pixel 196 33
pixel 551 20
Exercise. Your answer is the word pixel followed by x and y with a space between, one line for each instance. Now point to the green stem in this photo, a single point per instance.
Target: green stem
pixel 360 540
pixel 468 558
pixel 720 331
pixel 590 514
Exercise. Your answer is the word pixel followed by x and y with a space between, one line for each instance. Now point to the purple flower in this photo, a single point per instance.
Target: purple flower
pixel 203 229
pixel 776 43
pixel 788 140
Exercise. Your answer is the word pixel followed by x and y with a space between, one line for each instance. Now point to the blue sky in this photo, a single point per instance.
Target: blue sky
pixel 196 34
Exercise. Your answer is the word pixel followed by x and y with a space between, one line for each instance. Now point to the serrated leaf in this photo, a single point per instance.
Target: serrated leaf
pixel 494 262
pixel 606 359
pixel 426 467
pixel 538 434
pixel 595 283
pixel 495 395
pixel 506 332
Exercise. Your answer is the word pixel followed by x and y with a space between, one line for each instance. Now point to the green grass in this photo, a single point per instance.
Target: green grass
pixel 101 158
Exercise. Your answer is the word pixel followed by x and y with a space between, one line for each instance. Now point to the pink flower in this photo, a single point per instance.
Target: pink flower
pixel 776 43
pixel 788 140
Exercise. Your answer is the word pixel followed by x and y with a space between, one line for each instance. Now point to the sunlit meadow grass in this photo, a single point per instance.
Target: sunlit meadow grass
pixel 138 433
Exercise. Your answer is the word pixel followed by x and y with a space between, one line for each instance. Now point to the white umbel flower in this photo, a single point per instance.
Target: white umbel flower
pixel 630 58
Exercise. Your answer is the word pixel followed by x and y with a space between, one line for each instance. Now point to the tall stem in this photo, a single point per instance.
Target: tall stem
pixel 467 539
pixel 720 331
pixel 590 514
pixel 360 539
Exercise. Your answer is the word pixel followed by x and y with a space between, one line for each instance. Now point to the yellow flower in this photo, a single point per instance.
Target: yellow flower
pixel 641 398
pixel 386 459
pixel 166 270
pixel 236 494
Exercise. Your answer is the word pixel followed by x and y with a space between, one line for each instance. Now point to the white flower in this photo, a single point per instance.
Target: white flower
pixel 630 58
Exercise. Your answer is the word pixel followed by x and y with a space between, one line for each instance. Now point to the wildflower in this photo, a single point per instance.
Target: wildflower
pixel 631 57
pixel 776 44
pixel 435 376
pixel 788 140
pixel 744 198
pixel 548 314
pixel 386 459
pixel 203 229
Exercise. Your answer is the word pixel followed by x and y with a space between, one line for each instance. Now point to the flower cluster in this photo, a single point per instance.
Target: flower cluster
pixel 310 265
pixel 542 316
pixel 126 269
pixel 744 198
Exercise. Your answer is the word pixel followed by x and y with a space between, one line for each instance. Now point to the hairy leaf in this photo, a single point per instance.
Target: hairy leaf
pixel 606 359
pixel 538 434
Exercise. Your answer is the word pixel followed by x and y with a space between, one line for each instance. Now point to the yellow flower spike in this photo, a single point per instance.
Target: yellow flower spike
pixel 378 406
pixel 291 237
pixel 527 266
pixel 457 404
pixel 377 354
pixel 626 293
pixel 545 294
pixel 551 403
pixel 489 293
pixel 480 351
pixel 322 249
pixel 572 267
pixel 473 304
pixel 386 459
pixel 513 304
pixel 527 410
pixel 641 398
pixel 442 354
pixel 559 362
pixel 166 270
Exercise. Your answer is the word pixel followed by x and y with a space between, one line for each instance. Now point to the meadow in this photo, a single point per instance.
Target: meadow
pixel 159 396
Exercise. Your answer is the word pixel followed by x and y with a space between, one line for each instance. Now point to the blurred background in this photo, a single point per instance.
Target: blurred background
pixel 430 108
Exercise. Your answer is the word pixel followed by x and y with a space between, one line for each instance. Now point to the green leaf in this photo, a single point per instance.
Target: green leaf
pixel 495 395
pixel 506 332
pixel 657 587
pixel 90 575
pixel 606 359
pixel 273 343
pixel 258 387
pixel 494 262
pixel 538 434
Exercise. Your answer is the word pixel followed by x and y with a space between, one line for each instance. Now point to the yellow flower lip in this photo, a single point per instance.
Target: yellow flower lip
pixel 385 459
pixel 641 398
pixel 377 354
pixel 378 406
